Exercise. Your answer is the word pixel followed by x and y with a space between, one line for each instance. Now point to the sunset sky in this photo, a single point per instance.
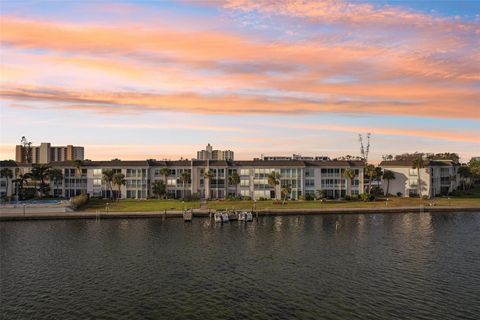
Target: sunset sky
pixel 161 79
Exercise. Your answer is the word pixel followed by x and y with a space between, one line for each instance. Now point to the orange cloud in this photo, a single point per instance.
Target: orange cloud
pixel 103 101
pixel 468 136
pixel 220 72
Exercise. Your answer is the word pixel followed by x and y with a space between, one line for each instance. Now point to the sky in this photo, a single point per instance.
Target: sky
pixel 161 79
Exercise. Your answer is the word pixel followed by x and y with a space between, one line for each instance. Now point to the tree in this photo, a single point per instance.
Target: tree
pixel 234 180
pixel 370 173
pixel 118 179
pixel 388 175
pixel 6 173
pixel 464 172
pixel 165 172
pixel 286 192
pixel 418 164
pixel 26 150
pixel 349 175
pixel 207 176
pixel 364 150
pixel 108 179
pixel 474 166
pixel 184 179
pixel 19 182
pixel 78 167
pixel 159 188
pixel 378 175
pixel 40 173
pixel 55 175
pixel 320 194
pixel 274 181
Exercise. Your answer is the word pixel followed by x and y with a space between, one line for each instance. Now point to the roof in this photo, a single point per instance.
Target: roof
pixel 199 163
pixel 409 163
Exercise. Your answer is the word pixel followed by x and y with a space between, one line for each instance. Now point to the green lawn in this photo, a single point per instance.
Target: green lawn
pixel 130 205
pixel 392 202
pixel 160 205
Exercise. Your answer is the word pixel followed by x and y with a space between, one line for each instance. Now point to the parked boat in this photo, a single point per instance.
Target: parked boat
pixel 225 217
pixel 187 216
pixel 242 216
pixel 245 216
pixel 218 217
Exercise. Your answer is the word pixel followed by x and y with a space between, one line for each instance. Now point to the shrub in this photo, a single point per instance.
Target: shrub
pixel 367 197
pixel 78 201
pixel 425 197
pixel 399 194
pixel 309 197
pixel 348 198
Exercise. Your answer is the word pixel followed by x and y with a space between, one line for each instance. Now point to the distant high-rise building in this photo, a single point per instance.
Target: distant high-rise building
pixel 210 154
pixel 45 153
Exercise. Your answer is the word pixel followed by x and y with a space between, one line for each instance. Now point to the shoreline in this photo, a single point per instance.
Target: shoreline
pixel 197 213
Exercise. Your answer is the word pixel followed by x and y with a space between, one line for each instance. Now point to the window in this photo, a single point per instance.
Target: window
pixel 97 172
pixel 309 183
pixel 244 172
pixel 97 182
pixel 245 193
pixel 309 172
pixel 412 172
pixel 244 182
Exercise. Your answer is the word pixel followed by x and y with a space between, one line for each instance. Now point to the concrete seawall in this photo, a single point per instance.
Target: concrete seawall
pixel 10 216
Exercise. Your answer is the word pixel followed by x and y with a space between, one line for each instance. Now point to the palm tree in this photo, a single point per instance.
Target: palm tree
pixel 40 173
pixel 234 180
pixel 78 167
pixel 207 176
pixel 108 179
pixel 370 173
pixel 388 175
pixel 349 175
pixel 165 172
pixel 55 175
pixel 158 188
pixel 184 178
pixel 286 192
pixel 378 177
pixel 118 179
pixel 19 182
pixel 418 164
pixel 274 181
pixel 8 174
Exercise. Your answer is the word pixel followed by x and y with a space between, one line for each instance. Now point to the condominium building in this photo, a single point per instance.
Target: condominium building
pixel 293 157
pixel 210 154
pixel 46 153
pixel 438 177
pixel 305 178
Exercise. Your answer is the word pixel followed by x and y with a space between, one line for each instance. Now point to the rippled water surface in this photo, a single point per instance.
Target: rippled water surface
pixel 404 266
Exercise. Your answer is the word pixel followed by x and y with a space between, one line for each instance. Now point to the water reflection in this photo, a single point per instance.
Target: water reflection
pixel 326 266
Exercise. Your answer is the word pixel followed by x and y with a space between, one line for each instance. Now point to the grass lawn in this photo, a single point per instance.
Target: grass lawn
pixel 160 205
pixel 393 202
pixel 131 205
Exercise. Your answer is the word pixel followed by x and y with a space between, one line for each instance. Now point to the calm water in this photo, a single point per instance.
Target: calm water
pixel 407 266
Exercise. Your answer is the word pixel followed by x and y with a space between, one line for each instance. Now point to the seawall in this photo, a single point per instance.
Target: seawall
pixel 205 213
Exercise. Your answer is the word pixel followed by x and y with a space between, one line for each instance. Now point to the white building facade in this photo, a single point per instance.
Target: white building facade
pixel 438 177
pixel 305 178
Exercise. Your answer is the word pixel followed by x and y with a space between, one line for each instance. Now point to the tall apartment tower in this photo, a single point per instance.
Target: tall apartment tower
pixel 45 153
pixel 210 154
